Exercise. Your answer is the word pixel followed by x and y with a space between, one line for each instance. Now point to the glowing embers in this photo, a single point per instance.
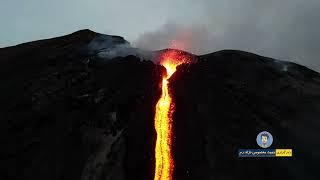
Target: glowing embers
pixel 170 59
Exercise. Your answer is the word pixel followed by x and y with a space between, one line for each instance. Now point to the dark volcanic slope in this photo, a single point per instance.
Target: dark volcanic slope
pixel 65 116
pixel 226 99
pixel 62 118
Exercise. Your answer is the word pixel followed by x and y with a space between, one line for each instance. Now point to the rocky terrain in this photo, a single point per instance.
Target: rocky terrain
pixel 70 112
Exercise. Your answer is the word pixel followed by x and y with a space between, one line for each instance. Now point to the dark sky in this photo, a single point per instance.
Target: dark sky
pixel 282 29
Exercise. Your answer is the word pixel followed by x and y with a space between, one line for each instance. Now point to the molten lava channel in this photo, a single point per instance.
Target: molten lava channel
pixel 163 118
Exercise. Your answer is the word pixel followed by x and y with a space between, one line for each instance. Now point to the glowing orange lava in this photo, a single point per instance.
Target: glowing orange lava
pixel 163 118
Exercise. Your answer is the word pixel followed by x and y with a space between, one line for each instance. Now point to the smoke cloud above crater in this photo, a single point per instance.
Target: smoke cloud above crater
pixel 286 29
pixel 195 39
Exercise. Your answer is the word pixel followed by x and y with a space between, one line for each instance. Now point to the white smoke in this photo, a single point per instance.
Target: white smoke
pixel 108 47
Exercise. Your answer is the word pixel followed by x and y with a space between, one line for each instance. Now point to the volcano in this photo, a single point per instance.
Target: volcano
pixel 83 106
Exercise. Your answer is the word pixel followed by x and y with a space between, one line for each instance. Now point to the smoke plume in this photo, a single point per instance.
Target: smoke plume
pixel 285 30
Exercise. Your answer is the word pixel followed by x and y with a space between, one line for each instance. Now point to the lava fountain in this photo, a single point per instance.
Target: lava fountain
pixel 170 59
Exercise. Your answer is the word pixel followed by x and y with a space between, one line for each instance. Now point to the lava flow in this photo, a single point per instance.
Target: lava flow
pixel 170 59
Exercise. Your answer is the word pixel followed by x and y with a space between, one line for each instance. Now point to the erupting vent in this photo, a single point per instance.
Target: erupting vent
pixel 170 59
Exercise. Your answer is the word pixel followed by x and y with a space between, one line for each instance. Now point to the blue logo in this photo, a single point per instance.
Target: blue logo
pixel 264 139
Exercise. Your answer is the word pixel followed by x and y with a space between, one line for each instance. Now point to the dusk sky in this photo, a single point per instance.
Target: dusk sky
pixel 282 29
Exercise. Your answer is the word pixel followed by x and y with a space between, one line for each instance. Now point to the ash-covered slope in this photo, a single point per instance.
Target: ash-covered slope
pixel 225 99
pixel 69 111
